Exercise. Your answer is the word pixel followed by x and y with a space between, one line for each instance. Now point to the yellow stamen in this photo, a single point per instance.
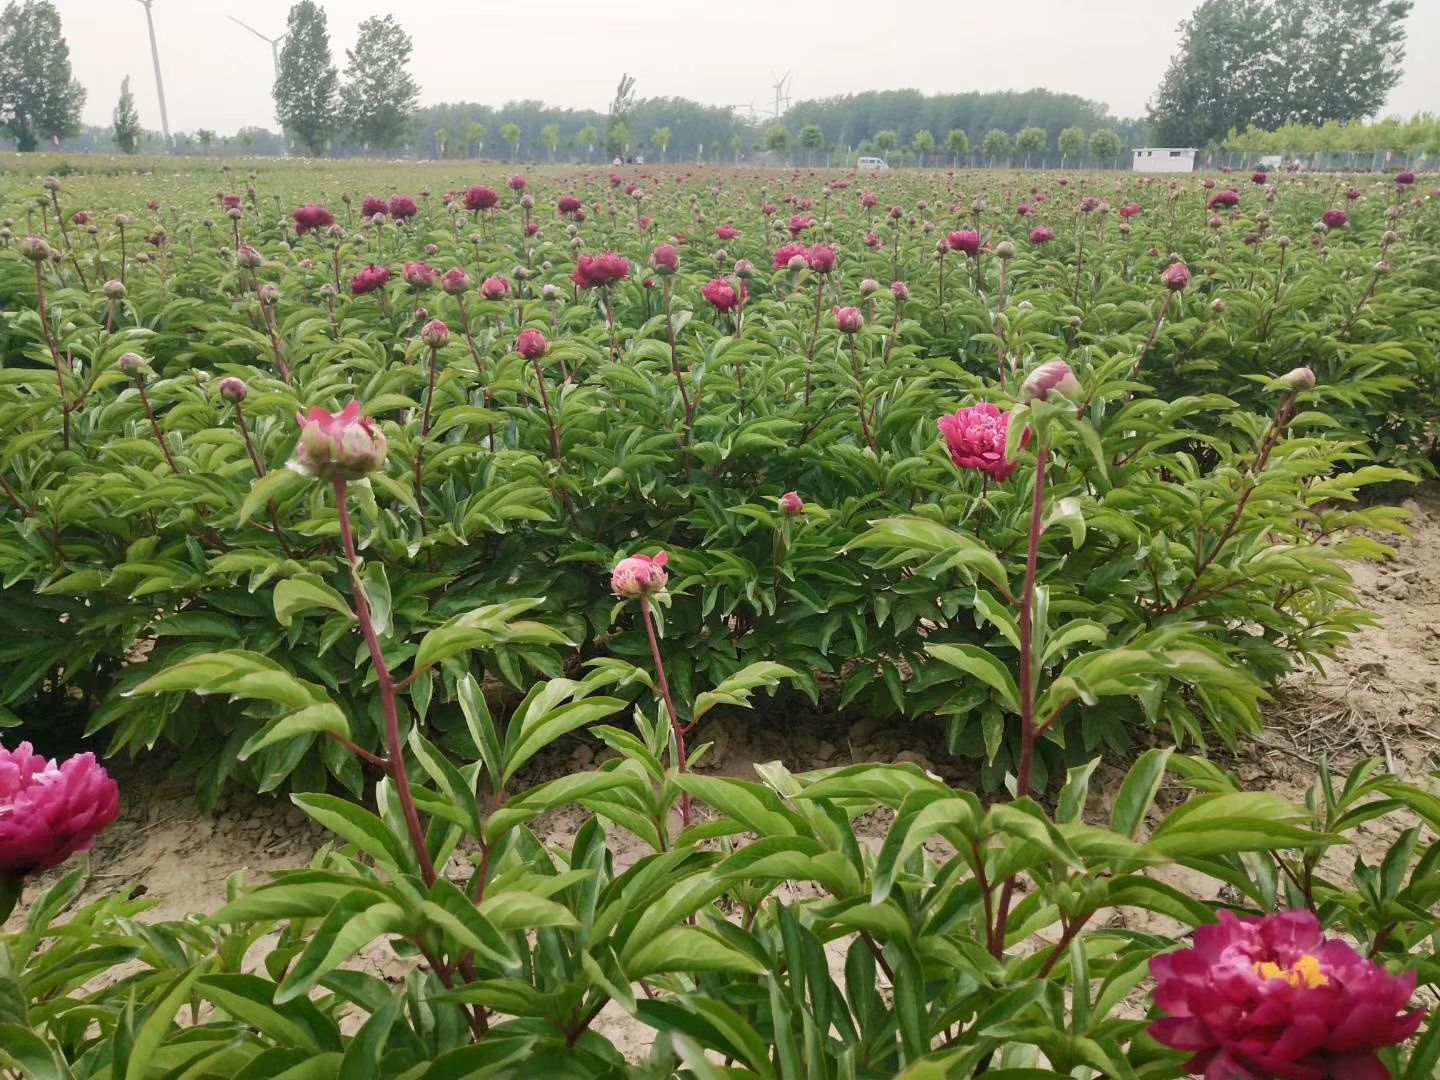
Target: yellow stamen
pixel 1303 974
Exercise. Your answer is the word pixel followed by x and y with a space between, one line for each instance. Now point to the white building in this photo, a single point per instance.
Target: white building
pixel 1164 159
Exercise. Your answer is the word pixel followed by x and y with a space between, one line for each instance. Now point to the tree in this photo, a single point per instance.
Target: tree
pixel 379 93
pixel 475 136
pixel 511 134
pixel 1031 140
pixel 812 138
pixel 1071 144
pixel 661 138
pixel 996 145
pixel 957 142
pixel 737 143
pixel 1105 145
pixel 442 139
pixel 886 141
pixel 550 136
pixel 38 96
pixel 127 120
pixel 777 138
pixel 1272 62
pixel 924 143
pixel 617 126
pixel 204 136
pixel 587 138
pixel 307 84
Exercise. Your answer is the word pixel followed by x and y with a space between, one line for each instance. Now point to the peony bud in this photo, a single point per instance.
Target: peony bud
pixel 131 363
pixel 233 389
pixel 269 293
pixel 531 344
pixel 869 287
pixel 455 282
pixel 639 575
pixel 549 291
pixel 1297 379
pixel 343 445
pixel 1004 250
pixel 899 290
pixel 1176 276
pixel 791 505
pixel 1052 376
pixel 35 249
pixel 744 269
pixel 114 289
pixel 435 334
pixel 848 319
pixel 494 288
pixel 248 257
pixel 665 259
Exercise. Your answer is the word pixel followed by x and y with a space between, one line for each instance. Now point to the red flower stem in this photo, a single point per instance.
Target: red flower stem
pixel 52 538
pixel 814 338
pixel 1028 676
pixel 1154 333
pixel 675 365
pixel 44 314
pixel 424 435
pixel 123 263
pixel 675 726
pixel 860 393
pixel 394 748
pixel 155 425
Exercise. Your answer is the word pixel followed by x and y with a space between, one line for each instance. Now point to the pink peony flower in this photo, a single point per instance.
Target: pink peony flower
pixel 48 812
pixel 420 275
pixel 343 445
pixel 1352 193
pixel 1405 179
pixel 80 217
pixel 791 505
pixel 639 575
pixel 726 232
pixel 1224 200
pixel 1054 376
pixel 721 294
pixel 785 252
pixel 1041 235
pixel 848 319
pixel 799 223
pixel 966 240
pixel 479 198
pixel 821 258
pixel 1262 998
pixel 1175 277
pixel 309 217
pixel 593 271
pixel 402 207
pixel 517 182
pixel 1335 219
pixel 455 282
pixel 1258 178
pixel 229 202
pixel 1129 210
pixel 435 334
pixel 1024 209
pixel 975 438
pixel 494 288
pixel 373 205
pixel 665 259
pixel 868 200
pixel 531 344
pixel 567 205
pixel 368 280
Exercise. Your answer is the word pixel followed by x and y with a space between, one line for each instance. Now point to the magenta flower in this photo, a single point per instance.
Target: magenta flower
pixel 1224 200
pixel 1024 209
pixel 531 344
pixel 494 288
pixel 343 445
pixel 1258 178
pixel 726 232
pixel 799 223
pixel 567 205
pixel 420 275
pixel 373 205
pixel 517 183
pixel 1175 277
pixel 1129 210
pixel 848 319
pixel 479 198
pixel 593 271
pixel 966 240
pixel 368 280
pixel 868 200
pixel 49 812
pixel 639 575
pixel 721 294
pixel 402 207
pixel 791 505
pixel 785 253
pixel 1405 179
pixel 311 217
pixel 1263 998
pixel 665 259
pixel 821 258
pixel 975 438
pixel 1041 235
pixel 1335 219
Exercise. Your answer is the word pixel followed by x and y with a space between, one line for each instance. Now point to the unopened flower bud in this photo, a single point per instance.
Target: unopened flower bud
pixel 791 505
pixel 869 287
pixel 549 291
pixel 1004 250
pixel 343 445
pixel 35 249
pixel 1176 276
pixel 269 293
pixel 233 389
pixel 744 269
pixel 114 289
pixel 1297 379
pixel 639 575
pixel 435 334
pixel 131 363
pixel 1217 306
pixel 1053 376
pixel 899 290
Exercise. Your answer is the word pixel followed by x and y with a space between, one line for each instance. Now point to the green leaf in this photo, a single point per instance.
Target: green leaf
pixel 274 485
pixel 690 949
pixel 736 689
pixel 1138 790
pixel 297 594
pixel 982 664
pixel 357 826
pixel 311 720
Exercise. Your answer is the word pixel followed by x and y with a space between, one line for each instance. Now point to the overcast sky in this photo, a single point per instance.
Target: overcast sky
pixel 723 52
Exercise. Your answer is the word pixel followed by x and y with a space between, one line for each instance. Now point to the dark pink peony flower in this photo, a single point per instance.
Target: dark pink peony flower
pixel 1024 209
pixel 229 202
pixel 799 223
pixel 785 253
pixel 494 288
pixel 402 207
pixel 368 280
pixel 975 438
pixel 1175 277
pixel 726 232
pixel 1224 200
pixel 1405 179
pixel 966 240
pixel 1041 235
pixel 311 217
pixel 1129 210
pixel 1263 998
pixel 456 282
pixel 517 182
pixel 791 505
pixel 639 575
pixel 531 344
pixel 479 198
pixel 721 294
pixel 420 275
pixel 821 258
pixel 567 205
pixel 80 217
pixel 593 271
pixel 1335 219
pixel 48 812
pixel 665 259
pixel 373 205
pixel 873 241
pixel 868 200
pixel 769 209
pixel 1258 178
pixel 1352 193
pixel 343 445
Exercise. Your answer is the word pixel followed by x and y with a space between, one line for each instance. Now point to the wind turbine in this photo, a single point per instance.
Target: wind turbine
pixel 274 43
pixel 780 93
pixel 159 85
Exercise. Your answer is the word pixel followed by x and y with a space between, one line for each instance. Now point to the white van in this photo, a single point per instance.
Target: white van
pixel 871 164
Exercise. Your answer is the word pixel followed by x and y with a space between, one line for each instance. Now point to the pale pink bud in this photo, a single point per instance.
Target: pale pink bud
pixel 1053 376
pixel 639 575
